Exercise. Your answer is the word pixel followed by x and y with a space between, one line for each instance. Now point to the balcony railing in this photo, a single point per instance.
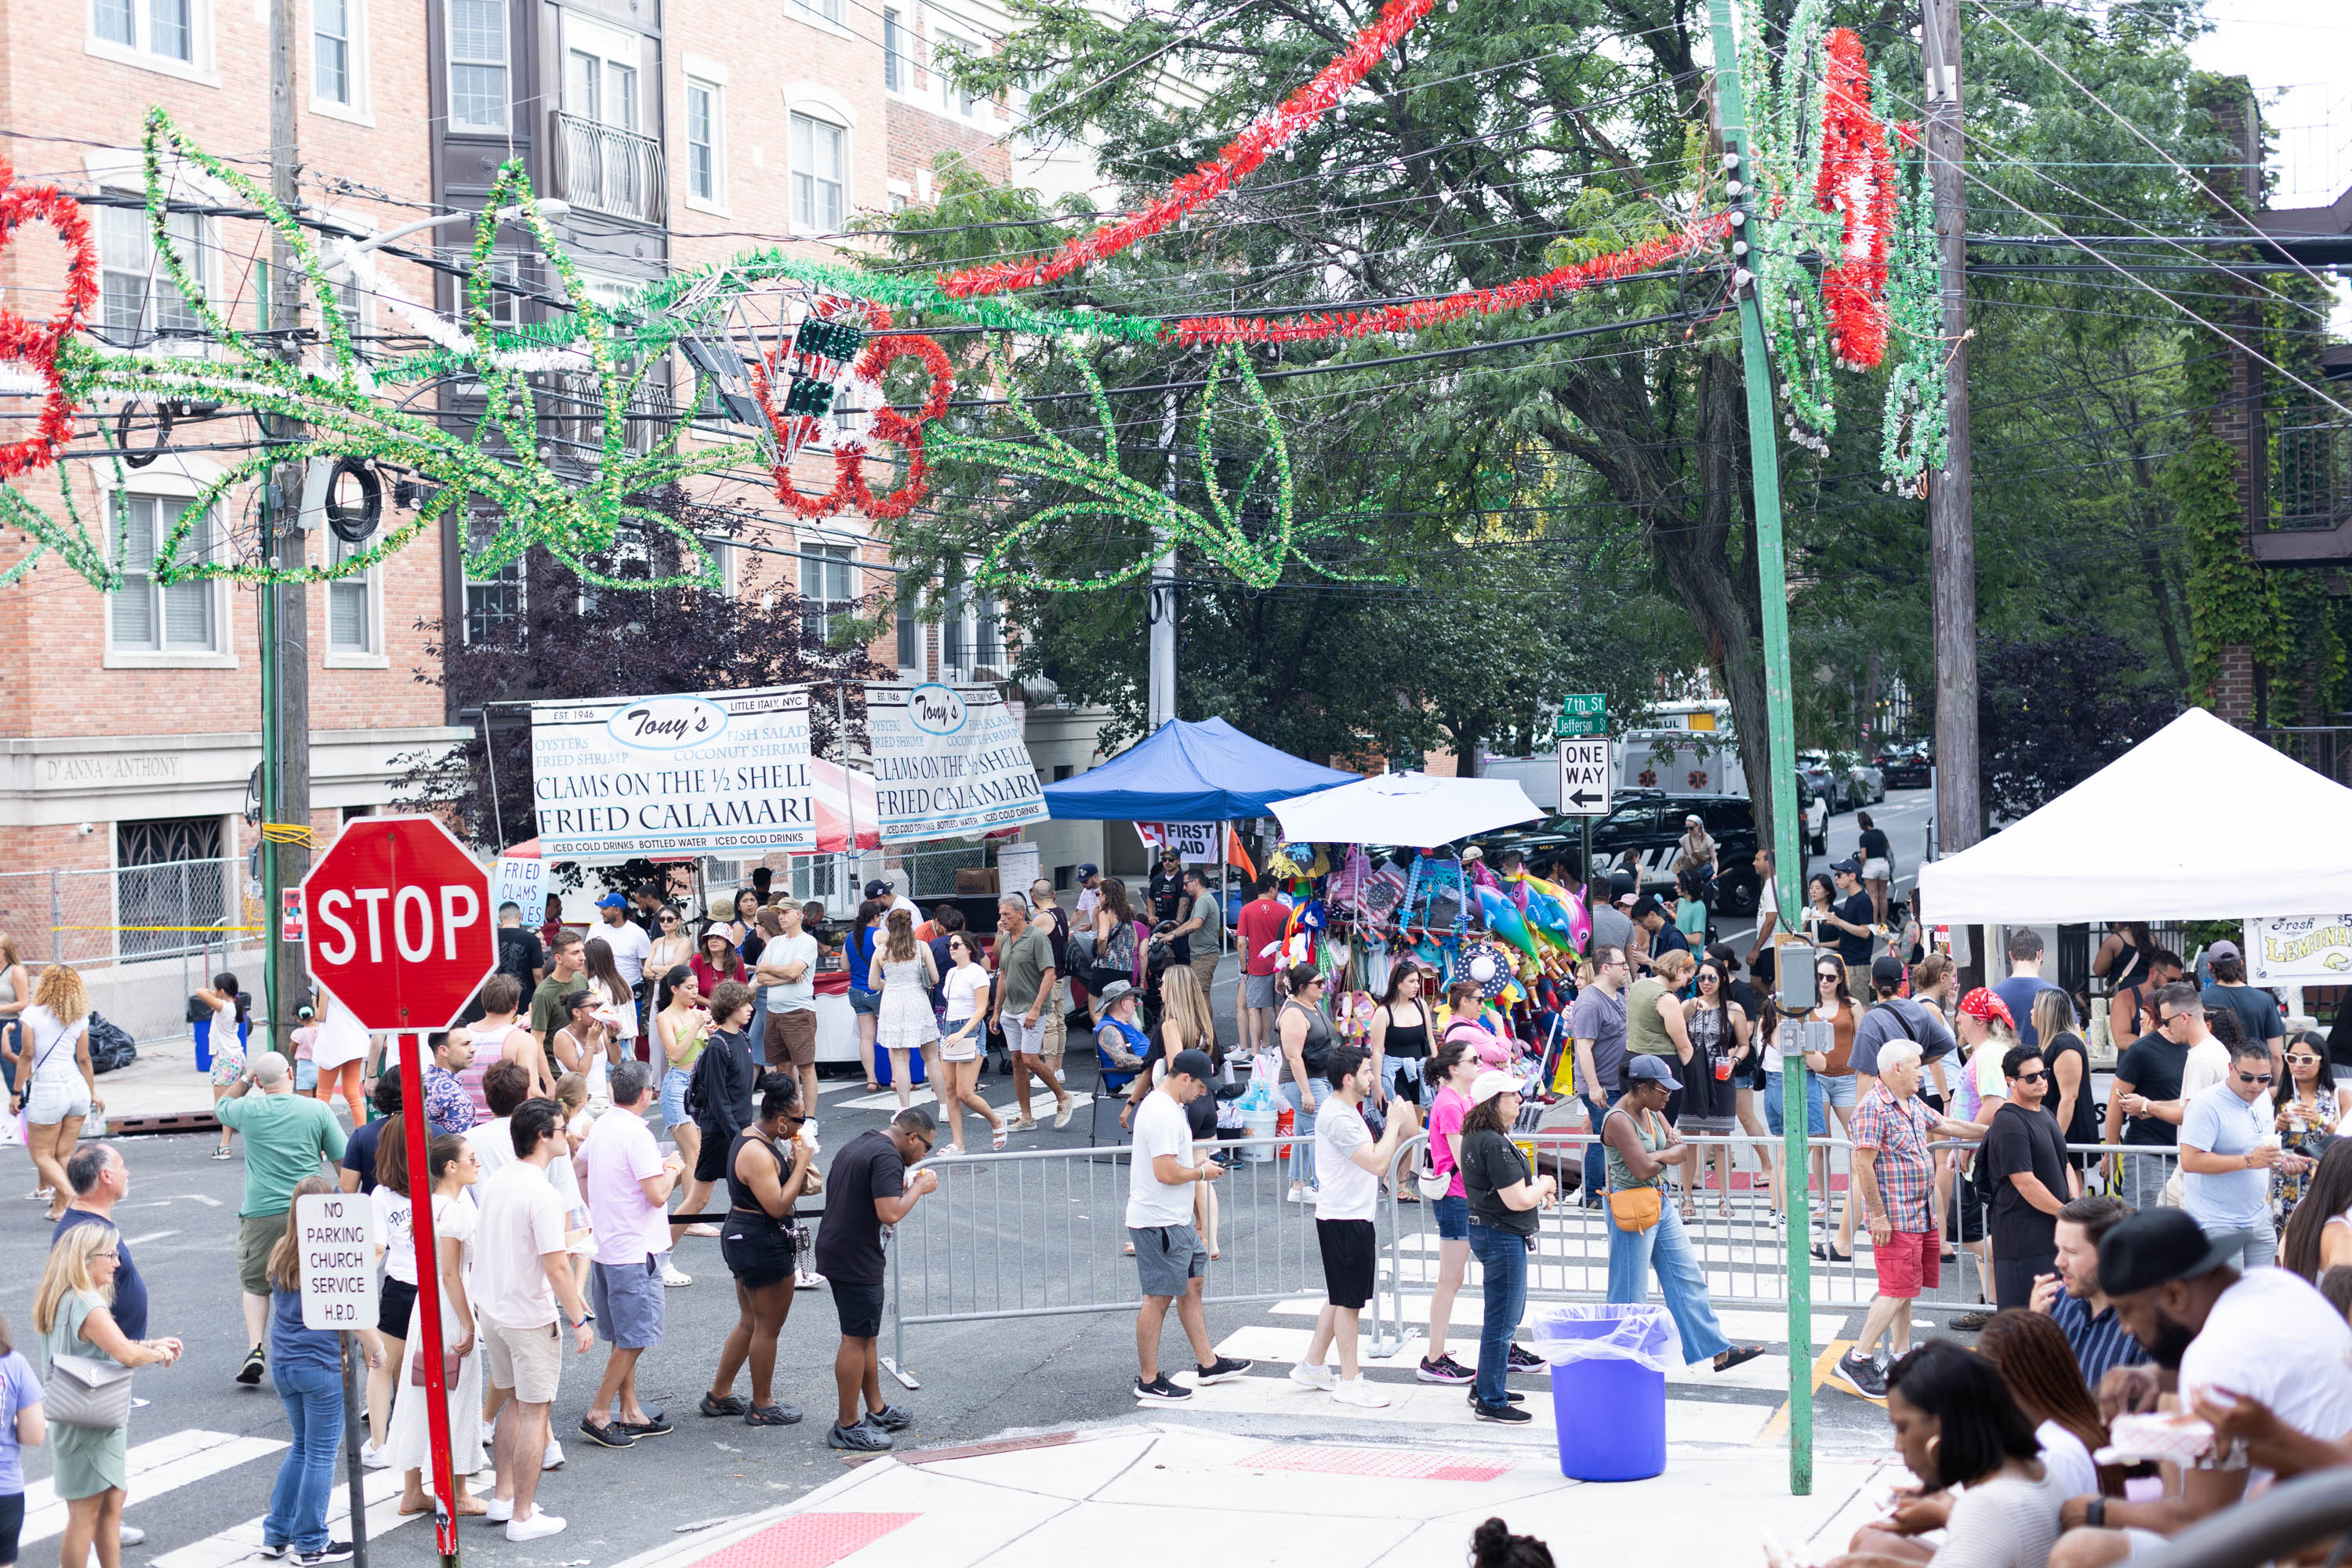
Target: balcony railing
pixel 2311 469
pixel 608 170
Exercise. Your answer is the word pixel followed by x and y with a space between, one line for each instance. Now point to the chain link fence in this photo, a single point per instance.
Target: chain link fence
pixel 142 936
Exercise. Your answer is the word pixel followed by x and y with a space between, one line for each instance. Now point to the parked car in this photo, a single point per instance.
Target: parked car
pixel 1868 780
pixel 1906 766
pixel 1825 778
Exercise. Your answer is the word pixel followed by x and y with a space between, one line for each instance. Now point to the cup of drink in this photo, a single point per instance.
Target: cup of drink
pixel 1722 1069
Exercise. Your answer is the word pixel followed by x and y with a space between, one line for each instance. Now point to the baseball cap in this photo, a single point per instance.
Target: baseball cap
pixel 612 901
pixel 1487 1085
pixel 2158 1245
pixel 1886 969
pixel 1088 869
pixel 1652 1069
pixel 1193 1064
pixel 2225 948
pixel 878 889
pixel 1848 865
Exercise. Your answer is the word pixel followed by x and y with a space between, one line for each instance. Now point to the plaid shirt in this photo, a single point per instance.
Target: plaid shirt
pixel 1898 1131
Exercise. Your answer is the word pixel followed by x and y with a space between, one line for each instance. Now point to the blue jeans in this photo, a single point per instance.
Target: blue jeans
pixel 313 1398
pixel 1502 1256
pixel 1596 1167
pixel 1631 1254
pixel 1302 1125
pixel 1817 1116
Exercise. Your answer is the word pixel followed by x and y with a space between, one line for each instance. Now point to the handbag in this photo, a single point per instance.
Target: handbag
pixel 1636 1210
pixel 451 1361
pixel 1427 1176
pixel 84 1391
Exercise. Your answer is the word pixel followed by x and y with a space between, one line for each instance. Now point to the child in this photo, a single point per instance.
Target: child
pixel 572 1094
pixel 21 1427
pixel 306 1065
pixel 227 1045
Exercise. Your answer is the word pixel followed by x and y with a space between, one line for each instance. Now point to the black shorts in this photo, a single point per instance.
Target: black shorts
pixel 1967 1222
pixel 394 1304
pixel 860 1307
pixel 1348 1247
pixel 12 1524
pixel 710 1160
pixel 757 1251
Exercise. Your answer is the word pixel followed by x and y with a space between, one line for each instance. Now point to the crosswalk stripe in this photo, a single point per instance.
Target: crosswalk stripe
pixel 240 1541
pixel 156 1466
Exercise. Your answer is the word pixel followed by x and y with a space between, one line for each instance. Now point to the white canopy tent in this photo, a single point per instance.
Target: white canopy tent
pixel 2200 821
pixel 1403 808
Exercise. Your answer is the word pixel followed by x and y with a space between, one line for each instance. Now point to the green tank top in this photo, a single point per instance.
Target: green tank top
pixel 1621 1175
pixel 696 1037
pixel 1645 1032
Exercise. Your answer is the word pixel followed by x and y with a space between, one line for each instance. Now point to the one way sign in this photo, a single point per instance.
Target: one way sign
pixel 1584 776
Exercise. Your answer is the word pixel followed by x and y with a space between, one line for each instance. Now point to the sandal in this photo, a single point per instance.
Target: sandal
pixel 1736 1355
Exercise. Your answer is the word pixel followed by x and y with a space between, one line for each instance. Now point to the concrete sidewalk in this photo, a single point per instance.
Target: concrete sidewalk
pixel 1173 1491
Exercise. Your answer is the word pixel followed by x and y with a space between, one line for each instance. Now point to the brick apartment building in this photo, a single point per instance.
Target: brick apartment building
pixel 679 131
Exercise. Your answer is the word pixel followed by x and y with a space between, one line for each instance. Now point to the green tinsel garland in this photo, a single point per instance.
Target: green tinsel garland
pixel 1785 111
pixel 1913 435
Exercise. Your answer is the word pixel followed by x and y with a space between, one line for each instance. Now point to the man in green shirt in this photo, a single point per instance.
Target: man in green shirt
pixel 285 1136
pixel 551 1008
pixel 1024 989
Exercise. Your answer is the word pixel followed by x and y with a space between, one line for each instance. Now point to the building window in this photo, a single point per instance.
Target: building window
pixel 165 28
pixel 137 298
pixel 971 638
pixel 600 88
pixel 493 604
pixel 148 616
pixel 894 62
pixel 702 124
pixel 820 173
pixel 911 638
pixel 330 50
pixel 170 884
pixel 828 587
pixel 477 65
pixel 351 605
pixel 828 9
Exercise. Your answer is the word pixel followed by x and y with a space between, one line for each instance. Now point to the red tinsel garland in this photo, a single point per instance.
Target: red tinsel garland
pixel 1857 179
pixel 849 488
pixel 1417 314
pixel 1233 162
pixel 36 346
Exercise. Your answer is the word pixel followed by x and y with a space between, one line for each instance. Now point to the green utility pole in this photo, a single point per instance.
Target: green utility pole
pixel 1739 165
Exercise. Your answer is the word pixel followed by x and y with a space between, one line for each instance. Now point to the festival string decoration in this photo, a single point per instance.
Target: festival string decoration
pixel 851 446
pixel 1912 435
pixel 1416 315
pixel 1233 162
pixel 1857 182
pixel 34 345
pixel 1786 109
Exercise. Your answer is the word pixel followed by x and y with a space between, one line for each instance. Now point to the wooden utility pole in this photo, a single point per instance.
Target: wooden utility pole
pixel 285 608
pixel 1951 522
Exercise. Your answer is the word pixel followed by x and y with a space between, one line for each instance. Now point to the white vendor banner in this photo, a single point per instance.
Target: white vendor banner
pixel 949 762
pixel 721 772
pixel 2305 947
pixel 1195 842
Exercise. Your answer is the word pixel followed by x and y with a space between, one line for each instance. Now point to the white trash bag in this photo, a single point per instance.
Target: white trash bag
pixel 1640 1332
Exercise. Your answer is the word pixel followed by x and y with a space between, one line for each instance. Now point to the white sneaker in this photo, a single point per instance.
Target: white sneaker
pixel 540 1522
pixel 1310 1376
pixel 554 1459
pixel 673 1275
pixel 373 1458
pixel 1357 1390
pixel 498 1509
pixel 132 1535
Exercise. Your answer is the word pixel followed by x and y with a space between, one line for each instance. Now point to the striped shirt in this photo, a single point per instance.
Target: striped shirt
pixel 2100 1342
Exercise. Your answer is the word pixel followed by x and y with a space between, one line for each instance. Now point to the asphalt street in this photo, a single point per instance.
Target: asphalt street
pixel 1903 817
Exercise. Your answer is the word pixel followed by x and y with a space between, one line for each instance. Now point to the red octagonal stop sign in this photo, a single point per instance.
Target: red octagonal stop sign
pixel 399 926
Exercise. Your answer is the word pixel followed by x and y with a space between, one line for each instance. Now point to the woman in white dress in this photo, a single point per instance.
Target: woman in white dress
pixel 454 1169
pixel 966 986
pixel 903 974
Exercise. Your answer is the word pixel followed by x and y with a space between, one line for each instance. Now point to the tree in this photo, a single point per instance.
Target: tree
pixel 2052 711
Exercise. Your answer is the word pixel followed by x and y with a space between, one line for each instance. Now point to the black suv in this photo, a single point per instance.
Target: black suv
pixel 1650 822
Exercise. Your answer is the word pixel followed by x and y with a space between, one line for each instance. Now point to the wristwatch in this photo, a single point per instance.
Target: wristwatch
pixel 2094 1513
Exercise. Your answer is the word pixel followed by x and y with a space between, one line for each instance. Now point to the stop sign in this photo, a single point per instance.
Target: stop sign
pixel 400 925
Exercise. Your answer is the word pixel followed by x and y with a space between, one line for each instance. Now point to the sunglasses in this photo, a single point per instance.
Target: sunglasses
pixel 2255 1078
pixel 669 919
pixel 2033 1077
pixel 2303 1062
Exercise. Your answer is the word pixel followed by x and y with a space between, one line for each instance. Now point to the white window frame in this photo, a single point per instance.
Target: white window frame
pixel 709 77
pixel 169 478
pixel 816 625
pixel 199 66
pixel 951 100
pixel 122 172
pixel 612 48
pixel 898 52
pixel 505 63
pixel 962 619
pixel 511 574
pixel 360 108
pixel 374 652
pixel 908 619
pixel 810 100
pixel 825 15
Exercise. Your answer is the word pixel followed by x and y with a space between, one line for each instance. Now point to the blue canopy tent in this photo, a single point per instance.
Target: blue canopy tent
pixel 1208 772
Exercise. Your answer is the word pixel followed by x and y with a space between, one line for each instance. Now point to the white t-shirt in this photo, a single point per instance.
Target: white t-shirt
pixel 631 947
pixel 618 1154
pixel 2068 1462
pixel 1348 1191
pixel 51 1041
pixel 964 983
pixel 2007 1522
pixel 493 1143
pixel 341 1038
pixel 1160 1128
pixel 395 1234
pixel 2271 1336
pixel 2207 1064
pixel 521 1220
pixel 792 995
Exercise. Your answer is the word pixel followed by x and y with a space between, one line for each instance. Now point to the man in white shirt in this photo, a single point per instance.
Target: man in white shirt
pixel 521 1281
pixel 2265 1335
pixel 1170 1261
pixel 630 945
pixel 1349 1166
pixel 628 1186
pixel 1089 880
pixel 892 898
pixel 787 969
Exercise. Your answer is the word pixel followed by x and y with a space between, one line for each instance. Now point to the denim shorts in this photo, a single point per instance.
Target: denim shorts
pixel 673 1097
pixel 1453 1219
pixel 1839 1091
pixel 864 1001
